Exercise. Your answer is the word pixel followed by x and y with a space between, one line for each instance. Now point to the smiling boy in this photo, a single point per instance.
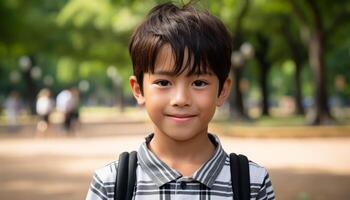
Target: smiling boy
pixel 181 64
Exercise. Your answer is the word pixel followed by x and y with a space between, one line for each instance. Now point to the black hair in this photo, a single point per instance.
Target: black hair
pixel 188 28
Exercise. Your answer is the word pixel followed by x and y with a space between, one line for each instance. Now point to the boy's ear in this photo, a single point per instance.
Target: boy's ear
pixel 136 90
pixel 224 92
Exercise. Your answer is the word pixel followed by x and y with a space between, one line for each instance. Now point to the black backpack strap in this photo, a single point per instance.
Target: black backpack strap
pixel 240 176
pixel 132 175
pixel 126 176
pixel 234 175
pixel 244 178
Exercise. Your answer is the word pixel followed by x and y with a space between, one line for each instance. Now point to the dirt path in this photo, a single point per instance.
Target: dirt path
pixel 60 168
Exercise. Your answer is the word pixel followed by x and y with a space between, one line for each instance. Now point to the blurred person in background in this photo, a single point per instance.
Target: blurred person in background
pixel 67 103
pixel 74 114
pixel 12 109
pixel 44 107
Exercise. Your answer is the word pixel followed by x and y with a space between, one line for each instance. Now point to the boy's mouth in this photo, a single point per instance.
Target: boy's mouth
pixel 181 117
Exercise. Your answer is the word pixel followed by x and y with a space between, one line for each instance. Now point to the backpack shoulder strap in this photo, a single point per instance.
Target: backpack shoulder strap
pixel 131 175
pixel 126 176
pixel 244 177
pixel 240 176
pixel 234 175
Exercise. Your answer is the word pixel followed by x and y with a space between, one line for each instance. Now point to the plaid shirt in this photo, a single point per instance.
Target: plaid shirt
pixel 156 180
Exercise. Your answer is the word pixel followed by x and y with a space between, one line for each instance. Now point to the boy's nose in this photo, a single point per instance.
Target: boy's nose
pixel 181 97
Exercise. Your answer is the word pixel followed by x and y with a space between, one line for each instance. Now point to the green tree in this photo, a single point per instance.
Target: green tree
pixel 318 20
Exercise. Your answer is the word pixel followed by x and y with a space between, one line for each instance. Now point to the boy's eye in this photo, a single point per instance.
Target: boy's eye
pixel 162 83
pixel 199 83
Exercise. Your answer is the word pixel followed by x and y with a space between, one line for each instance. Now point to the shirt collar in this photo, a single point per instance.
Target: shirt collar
pixel 161 173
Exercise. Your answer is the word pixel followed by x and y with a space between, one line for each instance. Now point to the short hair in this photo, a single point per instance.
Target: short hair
pixel 188 28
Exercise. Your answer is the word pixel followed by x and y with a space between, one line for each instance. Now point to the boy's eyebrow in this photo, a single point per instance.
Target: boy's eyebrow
pixel 171 73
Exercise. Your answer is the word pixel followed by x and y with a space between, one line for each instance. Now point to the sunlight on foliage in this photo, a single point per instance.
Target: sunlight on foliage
pixel 83 12
pixel 65 70
pixel 91 68
pixel 124 20
pixel 288 67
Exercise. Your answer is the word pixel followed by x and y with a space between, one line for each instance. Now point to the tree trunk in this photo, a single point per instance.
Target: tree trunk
pixel 316 59
pixel 236 99
pixel 297 89
pixel 237 109
pixel 316 46
pixel 261 56
pixel 264 91
pixel 316 52
pixel 297 56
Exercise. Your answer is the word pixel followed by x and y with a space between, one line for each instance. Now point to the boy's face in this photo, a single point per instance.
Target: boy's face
pixel 180 107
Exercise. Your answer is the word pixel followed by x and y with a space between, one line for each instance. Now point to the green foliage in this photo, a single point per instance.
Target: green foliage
pixel 73 40
pixel 66 70
pixel 338 66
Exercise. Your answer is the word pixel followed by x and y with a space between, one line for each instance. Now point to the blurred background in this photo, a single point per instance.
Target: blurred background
pixel 66 107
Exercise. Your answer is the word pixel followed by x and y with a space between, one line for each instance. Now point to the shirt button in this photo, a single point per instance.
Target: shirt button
pixel 183 185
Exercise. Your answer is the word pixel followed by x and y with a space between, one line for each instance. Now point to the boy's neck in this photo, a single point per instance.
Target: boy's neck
pixel 184 156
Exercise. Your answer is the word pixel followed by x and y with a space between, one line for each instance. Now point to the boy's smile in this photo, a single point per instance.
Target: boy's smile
pixel 181 117
pixel 180 106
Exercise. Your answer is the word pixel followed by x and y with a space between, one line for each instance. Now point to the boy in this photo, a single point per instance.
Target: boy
pixel 181 64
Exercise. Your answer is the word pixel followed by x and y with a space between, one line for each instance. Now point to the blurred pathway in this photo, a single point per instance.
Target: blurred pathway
pixel 61 167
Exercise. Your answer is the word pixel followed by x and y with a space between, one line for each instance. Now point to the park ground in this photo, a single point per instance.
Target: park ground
pixel 60 167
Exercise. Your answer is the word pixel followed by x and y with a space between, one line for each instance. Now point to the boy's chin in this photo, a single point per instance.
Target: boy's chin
pixel 183 136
